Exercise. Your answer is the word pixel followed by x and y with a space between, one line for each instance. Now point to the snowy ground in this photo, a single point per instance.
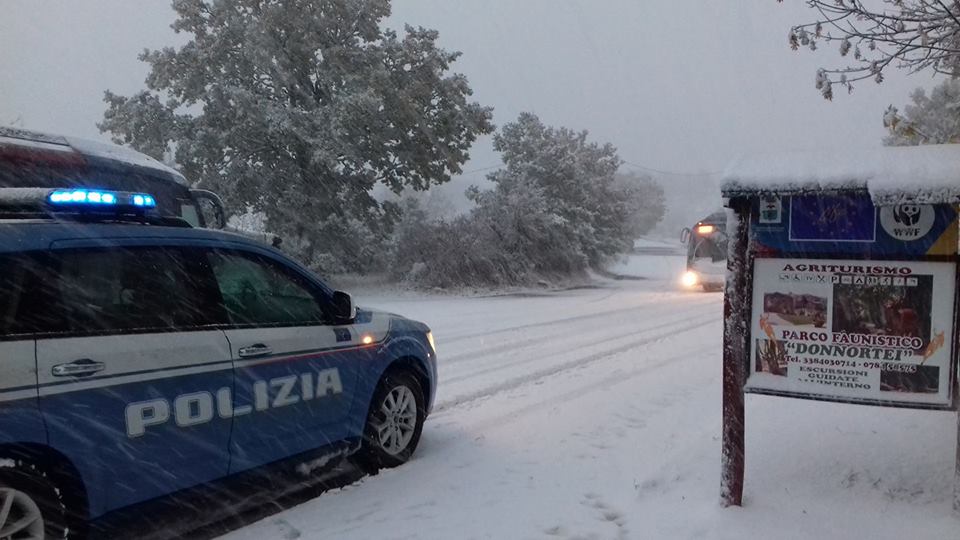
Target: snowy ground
pixel 595 413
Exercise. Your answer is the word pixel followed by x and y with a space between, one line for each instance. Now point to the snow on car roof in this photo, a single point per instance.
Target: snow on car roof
pixel 122 154
pixel 11 136
pixel 892 175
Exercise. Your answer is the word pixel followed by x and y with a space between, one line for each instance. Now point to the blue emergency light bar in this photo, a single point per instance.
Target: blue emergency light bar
pixel 84 204
pixel 97 198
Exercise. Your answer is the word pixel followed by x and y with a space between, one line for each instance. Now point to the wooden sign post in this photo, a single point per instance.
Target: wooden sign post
pixel 735 335
pixel 832 297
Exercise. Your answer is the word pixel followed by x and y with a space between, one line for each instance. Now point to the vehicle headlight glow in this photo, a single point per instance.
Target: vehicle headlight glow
pixel 689 278
pixel 433 344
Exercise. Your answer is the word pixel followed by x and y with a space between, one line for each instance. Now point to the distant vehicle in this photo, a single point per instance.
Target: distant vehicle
pixel 33 159
pixel 143 357
pixel 706 253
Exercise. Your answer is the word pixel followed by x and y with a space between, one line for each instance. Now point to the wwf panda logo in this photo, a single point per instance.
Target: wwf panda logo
pixel 907 215
pixel 907 222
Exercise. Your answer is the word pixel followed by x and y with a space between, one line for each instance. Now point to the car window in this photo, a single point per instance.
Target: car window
pixel 11 292
pixel 127 289
pixel 257 291
pixel 20 294
pixel 189 213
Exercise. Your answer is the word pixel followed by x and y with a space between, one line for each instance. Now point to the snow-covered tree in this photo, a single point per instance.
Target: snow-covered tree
pixel 931 119
pixel 578 180
pixel 644 203
pixel 909 34
pixel 298 109
pixel 556 209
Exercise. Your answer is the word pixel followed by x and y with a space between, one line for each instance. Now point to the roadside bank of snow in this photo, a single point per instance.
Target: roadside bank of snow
pixel 658 268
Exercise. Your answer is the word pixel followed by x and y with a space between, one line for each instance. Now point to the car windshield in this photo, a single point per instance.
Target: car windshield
pixel 444 269
pixel 708 248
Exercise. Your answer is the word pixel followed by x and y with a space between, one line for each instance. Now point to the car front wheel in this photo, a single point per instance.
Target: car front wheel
pixel 30 507
pixel 394 422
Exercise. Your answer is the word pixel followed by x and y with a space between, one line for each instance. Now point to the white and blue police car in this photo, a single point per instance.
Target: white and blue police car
pixel 140 357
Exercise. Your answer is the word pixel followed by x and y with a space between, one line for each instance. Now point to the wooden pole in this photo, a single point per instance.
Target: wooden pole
pixel 955 384
pixel 736 312
pixel 956 468
pixel 956 389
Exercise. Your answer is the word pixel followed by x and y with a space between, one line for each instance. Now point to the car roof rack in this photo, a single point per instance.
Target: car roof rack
pixel 83 205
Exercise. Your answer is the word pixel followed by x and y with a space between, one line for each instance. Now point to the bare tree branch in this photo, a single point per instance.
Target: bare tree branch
pixel 914 35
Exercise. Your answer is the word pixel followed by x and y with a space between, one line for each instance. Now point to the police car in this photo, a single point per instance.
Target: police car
pixel 140 357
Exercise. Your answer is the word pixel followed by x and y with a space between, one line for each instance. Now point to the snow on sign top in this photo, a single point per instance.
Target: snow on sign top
pixel 892 175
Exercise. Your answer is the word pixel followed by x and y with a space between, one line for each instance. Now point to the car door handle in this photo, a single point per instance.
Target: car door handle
pixel 258 349
pixel 78 368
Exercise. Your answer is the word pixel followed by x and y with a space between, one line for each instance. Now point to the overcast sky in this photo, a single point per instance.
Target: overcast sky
pixel 682 86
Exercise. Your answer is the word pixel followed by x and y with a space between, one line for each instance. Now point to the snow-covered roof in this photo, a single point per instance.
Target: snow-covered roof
pixel 119 154
pixel 892 175
pixel 122 154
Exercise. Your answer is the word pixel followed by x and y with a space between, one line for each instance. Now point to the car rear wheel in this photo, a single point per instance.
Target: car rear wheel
pixel 30 507
pixel 394 422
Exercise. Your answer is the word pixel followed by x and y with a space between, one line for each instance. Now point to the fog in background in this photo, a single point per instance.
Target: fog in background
pixel 680 88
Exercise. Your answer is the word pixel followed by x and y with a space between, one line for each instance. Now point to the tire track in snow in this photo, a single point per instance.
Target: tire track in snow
pixel 577 318
pixel 582 339
pixel 566 366
pixel 604 383
pixel 604 320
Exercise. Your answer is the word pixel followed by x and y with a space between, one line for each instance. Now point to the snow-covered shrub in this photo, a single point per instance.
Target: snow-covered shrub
pixel 586 201
pixel 556 209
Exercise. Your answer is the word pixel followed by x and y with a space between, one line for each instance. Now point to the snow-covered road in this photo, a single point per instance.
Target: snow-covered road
pixel 594 413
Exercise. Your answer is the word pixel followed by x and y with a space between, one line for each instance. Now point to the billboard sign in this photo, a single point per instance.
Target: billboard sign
pixel 853 302
pixel 871 331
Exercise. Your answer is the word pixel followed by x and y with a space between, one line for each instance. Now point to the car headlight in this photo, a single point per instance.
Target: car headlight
pixel 690 279
pixel 433 344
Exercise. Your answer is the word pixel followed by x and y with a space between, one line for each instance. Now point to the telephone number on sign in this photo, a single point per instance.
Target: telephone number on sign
pixel 831 362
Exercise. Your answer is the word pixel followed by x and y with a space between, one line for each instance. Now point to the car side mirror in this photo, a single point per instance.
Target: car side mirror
pixel 343 308
pixel 684 235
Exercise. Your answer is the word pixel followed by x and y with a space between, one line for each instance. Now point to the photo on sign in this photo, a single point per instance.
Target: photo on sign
pixel 889 306
pixel 790 309
pixel 771 357
pixel 910 378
